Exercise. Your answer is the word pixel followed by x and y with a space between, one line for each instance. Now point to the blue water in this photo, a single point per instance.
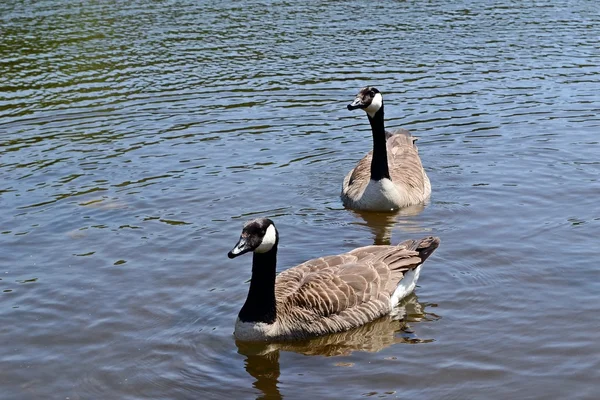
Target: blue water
pixel 136 138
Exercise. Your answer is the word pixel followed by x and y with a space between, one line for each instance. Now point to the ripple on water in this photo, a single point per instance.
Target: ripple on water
pixel 136 137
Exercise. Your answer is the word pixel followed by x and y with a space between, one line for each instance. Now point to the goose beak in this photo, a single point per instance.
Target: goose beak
pixel 240 248
pixel 357 103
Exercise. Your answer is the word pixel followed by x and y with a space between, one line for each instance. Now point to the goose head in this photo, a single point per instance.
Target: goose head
pixel 258 235
pixel 368 99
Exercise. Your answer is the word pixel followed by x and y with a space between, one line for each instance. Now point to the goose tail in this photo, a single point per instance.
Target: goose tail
pixel 424 246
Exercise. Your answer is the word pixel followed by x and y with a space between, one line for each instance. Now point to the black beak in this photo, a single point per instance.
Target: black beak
pixel 357 103
pixel 240 248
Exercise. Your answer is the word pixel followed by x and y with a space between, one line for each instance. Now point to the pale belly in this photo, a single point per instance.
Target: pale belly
pixel 254 331
pixel 381 195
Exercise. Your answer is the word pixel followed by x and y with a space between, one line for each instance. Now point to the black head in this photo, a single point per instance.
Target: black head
pixel 368 99
pixel 258 235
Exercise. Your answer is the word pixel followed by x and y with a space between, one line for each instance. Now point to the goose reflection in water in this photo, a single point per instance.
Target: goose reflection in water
pixel 262 359
pixel 381 224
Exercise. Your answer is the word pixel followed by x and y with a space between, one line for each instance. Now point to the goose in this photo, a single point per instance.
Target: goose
pixel 391 176
pixel 323 295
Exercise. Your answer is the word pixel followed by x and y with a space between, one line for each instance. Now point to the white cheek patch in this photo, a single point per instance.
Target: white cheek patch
pixel 268 241
pixel 375 105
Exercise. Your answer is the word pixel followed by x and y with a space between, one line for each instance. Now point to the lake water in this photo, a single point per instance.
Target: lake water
pixel 137 137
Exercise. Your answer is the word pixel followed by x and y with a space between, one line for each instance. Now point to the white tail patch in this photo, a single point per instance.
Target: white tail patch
pixel 375 105
pixel 268 240
pixel 406 286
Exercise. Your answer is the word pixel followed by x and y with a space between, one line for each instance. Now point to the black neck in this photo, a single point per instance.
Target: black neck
pixel 379 164
pixel 260 303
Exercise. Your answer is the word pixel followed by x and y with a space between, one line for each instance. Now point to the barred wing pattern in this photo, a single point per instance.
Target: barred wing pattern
pixel 337 293
pixel 404 162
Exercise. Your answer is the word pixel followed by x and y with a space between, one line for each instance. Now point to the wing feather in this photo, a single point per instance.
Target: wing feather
pixel 404 162
pixel 336 293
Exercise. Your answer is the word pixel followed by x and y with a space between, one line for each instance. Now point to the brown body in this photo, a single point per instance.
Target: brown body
pixel 340 292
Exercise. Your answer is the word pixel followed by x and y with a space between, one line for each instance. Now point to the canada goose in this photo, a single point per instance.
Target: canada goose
pixel 324 295
pixel 391 176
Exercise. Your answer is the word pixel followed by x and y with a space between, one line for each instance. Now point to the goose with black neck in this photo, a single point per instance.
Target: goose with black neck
pixel 323 295
pixel 391 176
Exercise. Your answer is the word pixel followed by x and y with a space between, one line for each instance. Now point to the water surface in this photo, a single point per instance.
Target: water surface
pixel 137 137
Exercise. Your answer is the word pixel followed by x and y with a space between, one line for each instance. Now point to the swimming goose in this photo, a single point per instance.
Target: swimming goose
pixel 391 176
pixel 324 295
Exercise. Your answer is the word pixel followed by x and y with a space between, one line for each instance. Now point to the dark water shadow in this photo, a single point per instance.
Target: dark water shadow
pixel 262 359
pixel 382 224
